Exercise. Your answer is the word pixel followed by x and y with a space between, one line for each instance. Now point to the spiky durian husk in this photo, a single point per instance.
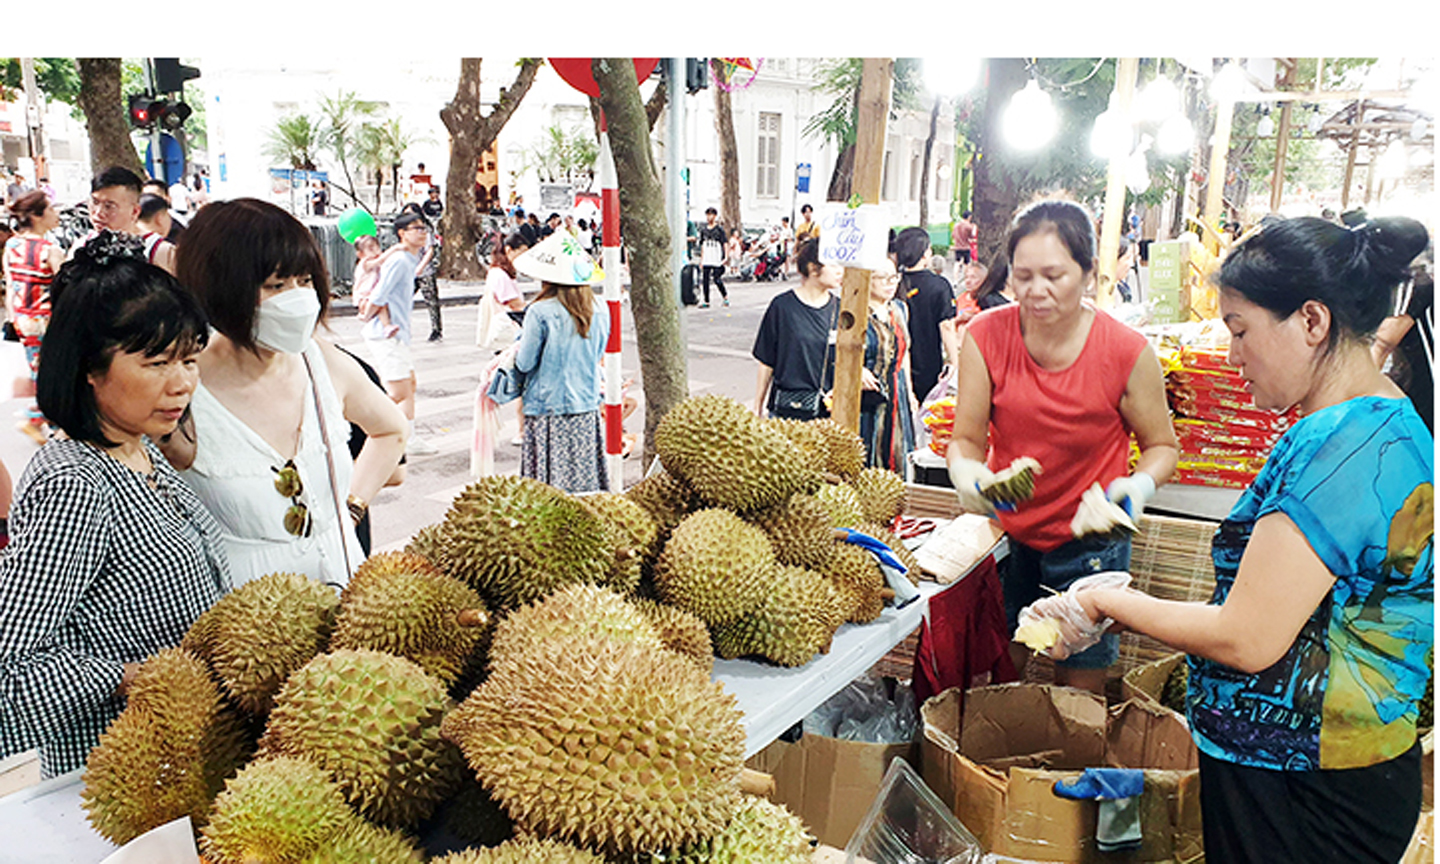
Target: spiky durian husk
pixel 761 833
pixel 797 618
pixel 857 577
pixel 729 456
pixel 363 843
pixel 715 566
pixel 574 610
pixel 605 744
pixel 256 635
pixel 401 604
pixel 807 437
pixel 635 534
pixel 682 632
pixel 168 753
pixel 427 544
pixel 665 498
pixel 515 540
pixel 799 529
pixel 882 494
pixel 843 504
pixel 527 851
pixel 897 546
pixel 275 811
pixel 845 452
pixel 372 720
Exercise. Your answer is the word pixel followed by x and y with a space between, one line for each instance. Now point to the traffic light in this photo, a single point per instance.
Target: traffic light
pixel 142 110
pixel 172 117
pixel 697 74
pixel 171 74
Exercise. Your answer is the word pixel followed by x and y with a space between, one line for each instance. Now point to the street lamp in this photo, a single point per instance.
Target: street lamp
pixel 1030 120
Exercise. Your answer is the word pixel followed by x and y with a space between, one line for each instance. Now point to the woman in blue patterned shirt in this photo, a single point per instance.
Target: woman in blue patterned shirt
pixel 1308 664
pixel 111 557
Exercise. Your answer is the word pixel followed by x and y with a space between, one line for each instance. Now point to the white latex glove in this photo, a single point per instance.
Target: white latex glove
pixel 1076 630
pixel 968 476
pixel 1132 492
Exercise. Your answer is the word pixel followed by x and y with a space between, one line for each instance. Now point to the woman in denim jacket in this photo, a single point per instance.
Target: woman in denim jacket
pixel 559 352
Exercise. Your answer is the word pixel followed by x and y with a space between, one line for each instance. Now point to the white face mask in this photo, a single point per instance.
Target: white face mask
pixel 286 321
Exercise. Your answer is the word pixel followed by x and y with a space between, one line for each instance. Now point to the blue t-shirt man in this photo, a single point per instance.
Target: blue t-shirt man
pixel 395 291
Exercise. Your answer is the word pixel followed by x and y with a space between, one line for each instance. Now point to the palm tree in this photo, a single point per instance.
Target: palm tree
pixel 294 140
pixel 342 117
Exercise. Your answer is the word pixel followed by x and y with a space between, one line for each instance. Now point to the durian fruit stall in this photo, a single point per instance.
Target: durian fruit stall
pixel 538 669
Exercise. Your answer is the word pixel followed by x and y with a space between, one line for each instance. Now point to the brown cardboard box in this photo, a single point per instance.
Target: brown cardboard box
pixel 829 783
pixel 1013 811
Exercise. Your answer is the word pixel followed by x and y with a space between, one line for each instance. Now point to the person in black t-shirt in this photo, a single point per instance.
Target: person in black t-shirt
pixel 795 346
pixel 712 256
pixel 931 302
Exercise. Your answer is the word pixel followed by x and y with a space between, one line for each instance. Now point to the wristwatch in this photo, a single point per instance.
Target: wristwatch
pixel 358 507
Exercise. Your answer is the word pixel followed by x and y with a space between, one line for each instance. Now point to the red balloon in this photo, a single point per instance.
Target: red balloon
pixel 575 71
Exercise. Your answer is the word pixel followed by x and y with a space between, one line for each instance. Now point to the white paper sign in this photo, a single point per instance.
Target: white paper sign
pixel 854 238
pixel 171 843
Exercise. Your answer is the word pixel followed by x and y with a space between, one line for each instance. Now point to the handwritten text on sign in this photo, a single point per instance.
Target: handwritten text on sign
pixel 854 238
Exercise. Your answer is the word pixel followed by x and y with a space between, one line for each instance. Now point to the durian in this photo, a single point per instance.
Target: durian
pixel 427 544
pixel 897 548
pixel 605 744
pixel 1098 515
pixel 256 635
pixel 761 833
pixel 400 604
pixel 799 529
pixel 1039 635
pixel 575 610
pixel 373 721
pixel 364 843
pixel 666 499
pixel 275 811
pixel 716 566
pixel 635 535
pixel 515 540
pixel 845 452
pixel 474 817
pixel 797 619
pixel 857 577
pixel 168 753
pixel 881 493
pixel 805 435
pixel 528 851
pixel 681 631
pixel 729 456
pixel 1013 484
pixel 843 504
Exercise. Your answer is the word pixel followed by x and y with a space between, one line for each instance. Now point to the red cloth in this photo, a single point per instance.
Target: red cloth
pixel 964 636
pixel 1067 420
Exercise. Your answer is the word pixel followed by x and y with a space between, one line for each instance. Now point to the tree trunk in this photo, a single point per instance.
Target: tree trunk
pixel 840 178
pixel 729 154
pixel 471 134
pixel 925 167
pixel 997 193
pixel 105 116
pixel 654 105
pixel 646 230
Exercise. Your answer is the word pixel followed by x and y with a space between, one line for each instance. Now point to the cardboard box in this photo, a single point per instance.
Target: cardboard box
pixel 997 770
pixel 829 783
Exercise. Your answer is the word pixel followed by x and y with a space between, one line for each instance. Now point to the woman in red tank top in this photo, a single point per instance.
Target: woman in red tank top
pixel 1052 378
pixel 31 262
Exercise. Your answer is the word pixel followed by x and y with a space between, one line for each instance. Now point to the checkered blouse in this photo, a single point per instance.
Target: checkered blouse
pixel 105 567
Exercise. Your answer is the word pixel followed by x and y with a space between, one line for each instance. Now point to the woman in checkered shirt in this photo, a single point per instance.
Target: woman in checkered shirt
pixel 111 556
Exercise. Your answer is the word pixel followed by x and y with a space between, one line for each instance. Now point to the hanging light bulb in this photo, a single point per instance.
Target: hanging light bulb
pixel 1112 135
pixel 1137 170
pixel 1317 121
pixel 1229 83
pixel 1418 129
pixel 1030 120
pixel 1176 135
pixel 1266 127
pixel 1159 100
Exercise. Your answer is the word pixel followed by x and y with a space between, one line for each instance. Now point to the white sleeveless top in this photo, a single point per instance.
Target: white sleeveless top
pixel 232 473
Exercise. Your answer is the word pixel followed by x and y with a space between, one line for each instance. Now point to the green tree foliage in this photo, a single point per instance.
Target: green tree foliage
pixel 564 155
pixel 341 118
pixel 839 78
pixel 57 77
pixel 381 149
pixel 294 140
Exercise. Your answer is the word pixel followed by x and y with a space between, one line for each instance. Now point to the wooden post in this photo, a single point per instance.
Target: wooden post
pixel 1349 172
pixel 1372 158
pixel 1215 190
pixel 1282 143
pixel 876 77
pixel 1112 223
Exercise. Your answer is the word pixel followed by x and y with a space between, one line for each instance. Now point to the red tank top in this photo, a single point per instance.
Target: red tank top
pixel 28 261
pixel 1068 420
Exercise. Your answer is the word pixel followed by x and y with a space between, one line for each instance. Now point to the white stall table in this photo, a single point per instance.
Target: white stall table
pixel 44 824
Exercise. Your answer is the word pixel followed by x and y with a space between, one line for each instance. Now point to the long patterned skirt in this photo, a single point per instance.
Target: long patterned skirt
pixel 565 450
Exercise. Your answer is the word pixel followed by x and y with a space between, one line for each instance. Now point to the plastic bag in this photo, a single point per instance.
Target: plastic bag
pixel 908 823
pixel 866 711
pixel 937 413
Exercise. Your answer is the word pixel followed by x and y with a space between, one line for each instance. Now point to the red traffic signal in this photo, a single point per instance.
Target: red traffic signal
pixel 142 110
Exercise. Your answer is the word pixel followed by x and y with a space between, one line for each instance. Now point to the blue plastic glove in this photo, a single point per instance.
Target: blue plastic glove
pixel 1132 492
pixel 894 570
pixel 1102 784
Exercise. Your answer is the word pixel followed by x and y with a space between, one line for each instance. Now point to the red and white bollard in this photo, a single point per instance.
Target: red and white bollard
pixel 610 263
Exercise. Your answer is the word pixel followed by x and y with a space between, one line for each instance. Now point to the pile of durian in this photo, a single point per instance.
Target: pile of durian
pixel 528 681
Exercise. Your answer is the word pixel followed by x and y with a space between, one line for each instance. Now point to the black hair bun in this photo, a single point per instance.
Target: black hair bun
pixel 109 247
pixel 1392 242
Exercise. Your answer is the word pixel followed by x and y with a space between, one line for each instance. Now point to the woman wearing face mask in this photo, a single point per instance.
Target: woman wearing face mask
pixel 274 400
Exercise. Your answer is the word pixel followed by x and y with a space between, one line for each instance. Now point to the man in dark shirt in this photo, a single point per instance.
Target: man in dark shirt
pixel 433 207
pixel 931 300
pixel 712 256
